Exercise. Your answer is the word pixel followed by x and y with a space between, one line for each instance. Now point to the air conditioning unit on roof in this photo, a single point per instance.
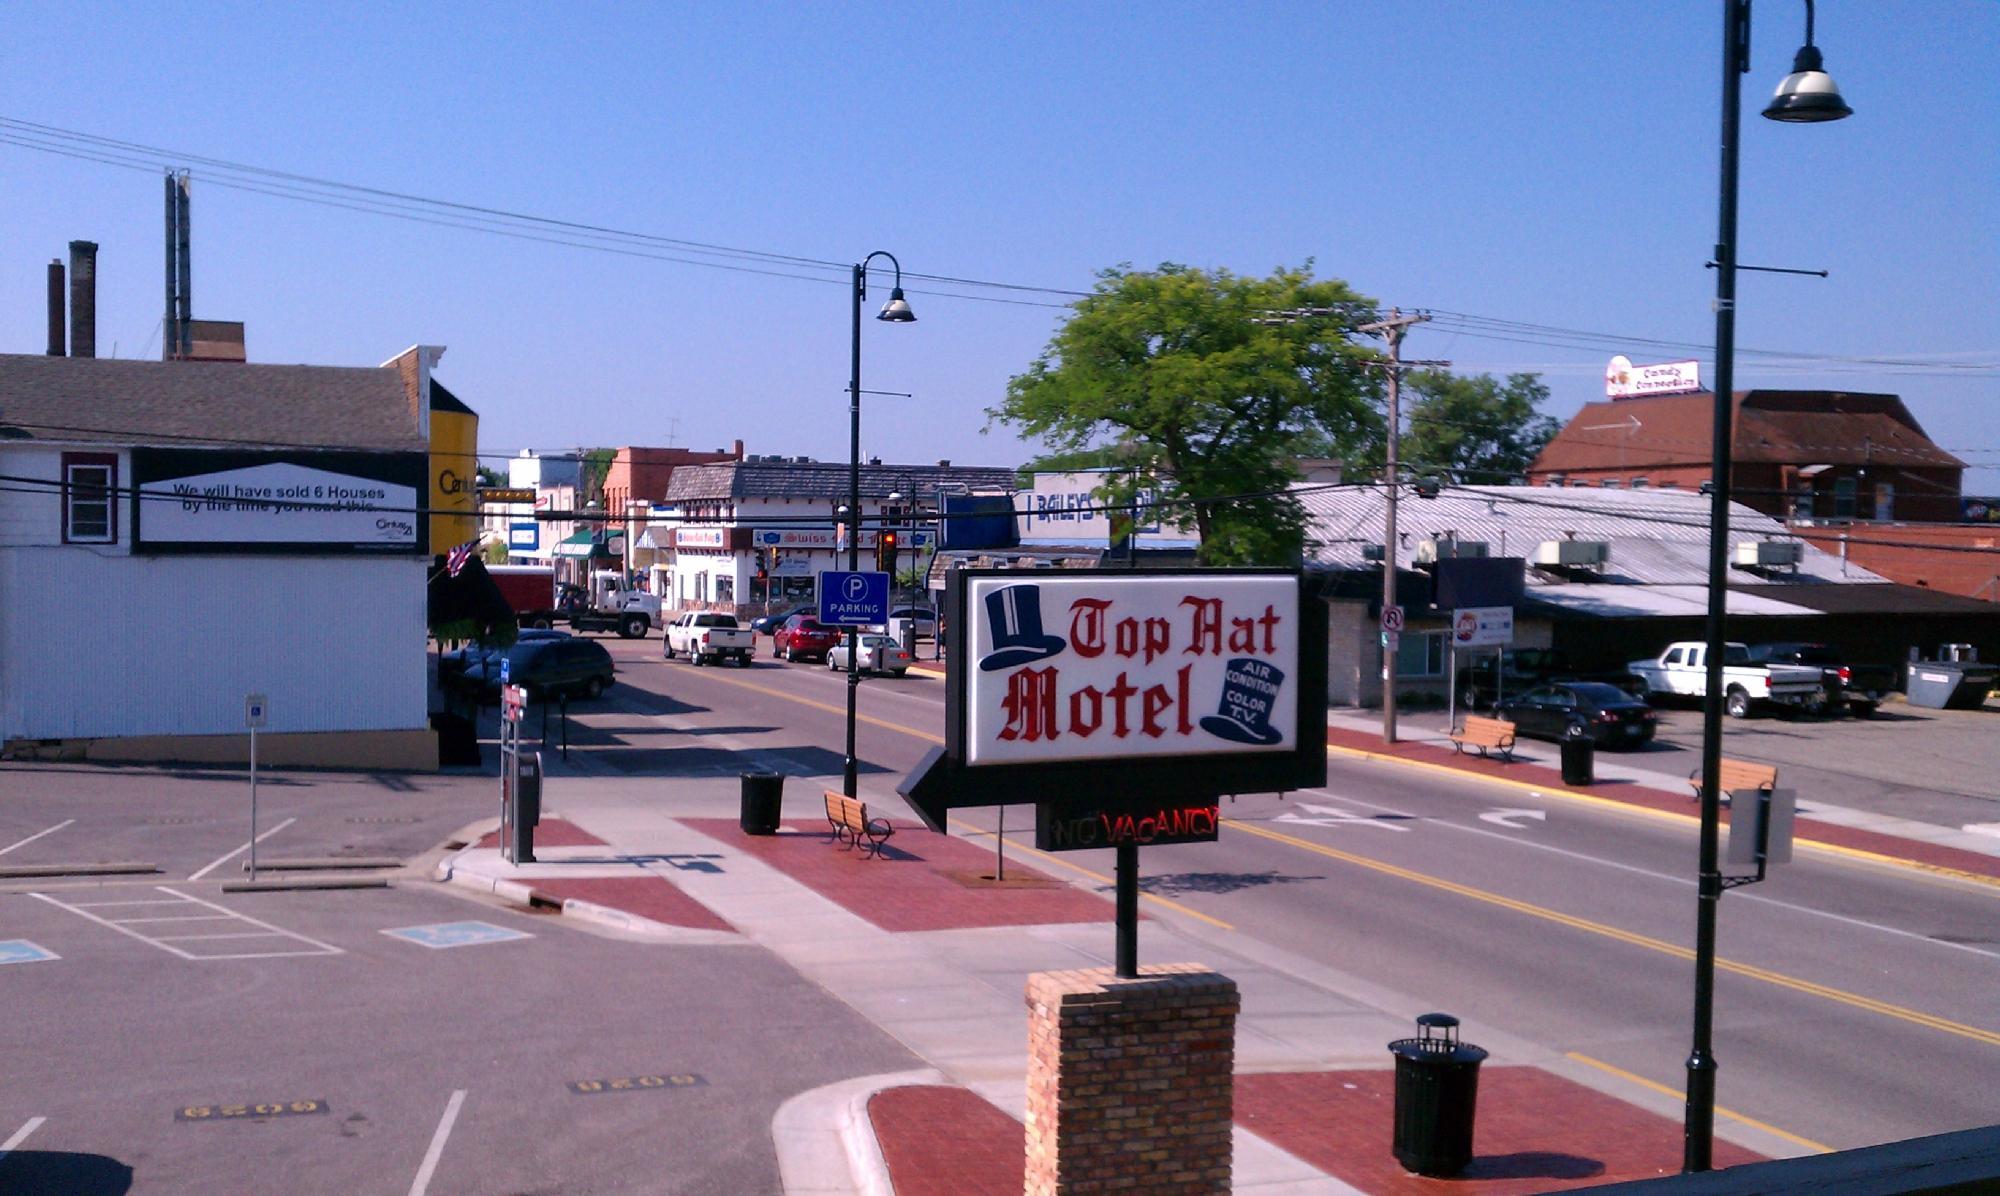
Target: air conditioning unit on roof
pixel 1573 553
pixel 1432 549
pixel 1769 554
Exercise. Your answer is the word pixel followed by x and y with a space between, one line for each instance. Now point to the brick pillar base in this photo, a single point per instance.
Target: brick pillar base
pixel 1130 1080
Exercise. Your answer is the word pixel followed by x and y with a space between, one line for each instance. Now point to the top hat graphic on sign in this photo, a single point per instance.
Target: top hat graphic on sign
pixel 1014 624
pixel 1249 692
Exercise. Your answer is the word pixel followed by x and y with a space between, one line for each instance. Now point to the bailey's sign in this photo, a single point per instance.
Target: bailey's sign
pixel 1153 685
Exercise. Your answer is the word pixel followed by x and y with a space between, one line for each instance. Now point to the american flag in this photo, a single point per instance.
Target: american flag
pixel 456 558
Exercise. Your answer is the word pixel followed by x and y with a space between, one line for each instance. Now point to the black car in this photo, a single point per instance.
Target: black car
pixel 1580 710
pixel 565 667
pixel 769 624
pixel 459 659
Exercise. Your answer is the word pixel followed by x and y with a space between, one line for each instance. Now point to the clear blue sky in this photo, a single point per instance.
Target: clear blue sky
pixel 1538 162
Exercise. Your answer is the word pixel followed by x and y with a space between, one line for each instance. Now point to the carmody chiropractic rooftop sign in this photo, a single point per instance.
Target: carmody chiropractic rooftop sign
pixel 1154 684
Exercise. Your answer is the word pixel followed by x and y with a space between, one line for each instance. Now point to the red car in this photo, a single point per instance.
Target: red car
pixel 803 637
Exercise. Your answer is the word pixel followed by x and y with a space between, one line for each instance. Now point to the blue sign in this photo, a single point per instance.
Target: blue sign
pixel 457 934
pixel 853 599
pixel 504 679
pixel 23 951
pixel 524 534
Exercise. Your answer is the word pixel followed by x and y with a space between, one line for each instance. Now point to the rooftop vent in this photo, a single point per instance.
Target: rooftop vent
pixel 1573 554
pixel 1433 549
pixel 1769 554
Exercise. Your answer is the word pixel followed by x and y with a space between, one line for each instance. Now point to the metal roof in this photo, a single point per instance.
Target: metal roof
pixel 1656 537
pixel 826 480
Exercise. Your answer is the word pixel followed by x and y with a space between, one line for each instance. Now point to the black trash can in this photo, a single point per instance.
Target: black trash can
pixel 1437 1086
pixel 763 798
pixel 1579 760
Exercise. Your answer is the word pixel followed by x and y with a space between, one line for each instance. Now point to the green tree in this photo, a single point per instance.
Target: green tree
pixel 1475 429
pixel 1207 397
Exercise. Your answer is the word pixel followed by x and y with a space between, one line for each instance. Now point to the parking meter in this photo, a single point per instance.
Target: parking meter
pixel 527 808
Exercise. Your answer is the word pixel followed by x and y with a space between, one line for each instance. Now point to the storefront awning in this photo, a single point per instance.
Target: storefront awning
pixel 588 544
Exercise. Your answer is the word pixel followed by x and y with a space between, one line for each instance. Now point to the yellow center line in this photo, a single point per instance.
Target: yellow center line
pixel 1677 1094
pixel 1613 805
pixel 1176 906
pixel 830 708
pixel 1840 996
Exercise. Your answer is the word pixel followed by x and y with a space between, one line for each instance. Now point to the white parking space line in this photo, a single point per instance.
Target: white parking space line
pixel 38 834
pixel 264 930
pixel 239 851
pixel 422 1183
pixel 20 1135
pixel 109 904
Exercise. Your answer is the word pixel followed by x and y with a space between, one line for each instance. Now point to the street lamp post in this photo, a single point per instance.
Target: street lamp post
pixel 896 311
pixel 1806 95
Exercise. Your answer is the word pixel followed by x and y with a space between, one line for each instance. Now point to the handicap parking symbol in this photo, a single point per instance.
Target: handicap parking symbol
pixel 23 951
pixel 457 934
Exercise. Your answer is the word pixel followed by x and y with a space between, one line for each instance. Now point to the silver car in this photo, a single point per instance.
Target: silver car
pixel 879 654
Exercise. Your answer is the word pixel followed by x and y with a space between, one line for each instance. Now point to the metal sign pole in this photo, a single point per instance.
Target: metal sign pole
pixel 1128 911
pixel 253 802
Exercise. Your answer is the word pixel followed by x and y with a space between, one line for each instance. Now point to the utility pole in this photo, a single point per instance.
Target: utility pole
pixel 1392 330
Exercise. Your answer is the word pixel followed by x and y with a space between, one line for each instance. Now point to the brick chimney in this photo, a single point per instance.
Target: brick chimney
pixel 56 339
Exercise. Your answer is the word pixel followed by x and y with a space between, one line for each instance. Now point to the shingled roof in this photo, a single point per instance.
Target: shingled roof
pixel 102 400
pixel 826 481
pixel 1787 427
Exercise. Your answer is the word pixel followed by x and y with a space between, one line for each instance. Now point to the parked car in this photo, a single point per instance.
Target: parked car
pixel 1861 687
pixel 458 659
pixel 705 636
pixel 769 624
pixel 565 667
pixel 1516 670
pixel 802 637
pixel 1681 671
pixel 1581 710
pixel 879 654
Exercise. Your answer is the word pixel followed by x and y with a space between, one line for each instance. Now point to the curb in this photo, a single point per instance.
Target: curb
pixel 523 894
pixel 826 1144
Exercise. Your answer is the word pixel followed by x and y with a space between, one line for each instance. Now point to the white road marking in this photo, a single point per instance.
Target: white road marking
pixel 1681 881
pixel 221 913
pixel 1506 817
pixel 239 851
pixel 38 834
pixel 20 1135
pixel 422 1183
pixel 1328 816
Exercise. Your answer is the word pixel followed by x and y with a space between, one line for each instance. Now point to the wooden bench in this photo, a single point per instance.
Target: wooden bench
pixel 1486 734
pixel 1737 774
pixel 849 823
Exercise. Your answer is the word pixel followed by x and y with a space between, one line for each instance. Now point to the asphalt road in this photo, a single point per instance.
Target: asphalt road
pixel 1857 1003
pixel 176 1038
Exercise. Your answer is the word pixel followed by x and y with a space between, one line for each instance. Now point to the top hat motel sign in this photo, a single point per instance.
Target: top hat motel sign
pixel 1145 684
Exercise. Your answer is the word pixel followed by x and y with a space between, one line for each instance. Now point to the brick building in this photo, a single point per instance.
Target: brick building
pixel 1797 454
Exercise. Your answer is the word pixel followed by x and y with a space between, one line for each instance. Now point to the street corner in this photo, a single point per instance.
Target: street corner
pixel 919 880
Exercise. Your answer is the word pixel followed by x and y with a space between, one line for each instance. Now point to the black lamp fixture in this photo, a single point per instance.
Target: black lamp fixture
pixel 1808 94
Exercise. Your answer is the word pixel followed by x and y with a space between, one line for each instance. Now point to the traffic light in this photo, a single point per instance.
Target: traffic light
pixel 885 551
pixel 763 565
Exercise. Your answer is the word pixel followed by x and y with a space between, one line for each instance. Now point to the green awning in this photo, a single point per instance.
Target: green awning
pixel 591 544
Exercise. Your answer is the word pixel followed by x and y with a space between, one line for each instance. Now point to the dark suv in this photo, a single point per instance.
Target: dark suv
pixel 802 637
pixel 545 668
pixel 1861 687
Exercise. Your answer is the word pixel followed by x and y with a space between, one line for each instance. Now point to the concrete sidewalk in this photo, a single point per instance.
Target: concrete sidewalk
pixel 918 944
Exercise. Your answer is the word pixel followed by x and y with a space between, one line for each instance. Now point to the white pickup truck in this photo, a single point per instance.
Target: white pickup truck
pixel 704 637
pixel 1682 671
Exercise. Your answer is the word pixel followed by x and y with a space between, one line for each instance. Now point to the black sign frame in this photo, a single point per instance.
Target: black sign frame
pixel 154 469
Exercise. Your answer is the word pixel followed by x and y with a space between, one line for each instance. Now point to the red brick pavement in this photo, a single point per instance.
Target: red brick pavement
pixel 1544 777
pixel 1534 1131
pixel 943 1141
pixel 550 832
pixel 912 885
pixel 652 897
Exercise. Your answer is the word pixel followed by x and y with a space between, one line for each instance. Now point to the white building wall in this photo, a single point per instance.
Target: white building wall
pixel 95 645
pixel 31 514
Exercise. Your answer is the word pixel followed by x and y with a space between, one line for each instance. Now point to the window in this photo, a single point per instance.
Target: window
pixel 1613 483
pixel 90 513
pixel 1420 654
pixel 1843 498
pixel 1554 479
pixel 725 588
pixel 1673 657
pixel 1641 484
pixel 1885 501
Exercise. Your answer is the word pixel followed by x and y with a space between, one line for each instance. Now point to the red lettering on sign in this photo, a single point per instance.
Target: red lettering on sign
pixel 1204 626
pixel 1086 711
pixel 1030 705
pixel 1086 626
pixel 1159 699
pixel 1159 637
pixel 1269 621
pixel 1127 631
pixel 1242 635
pixel 1120 691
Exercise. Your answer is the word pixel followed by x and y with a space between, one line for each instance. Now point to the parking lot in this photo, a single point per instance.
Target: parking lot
pixel 173 1037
